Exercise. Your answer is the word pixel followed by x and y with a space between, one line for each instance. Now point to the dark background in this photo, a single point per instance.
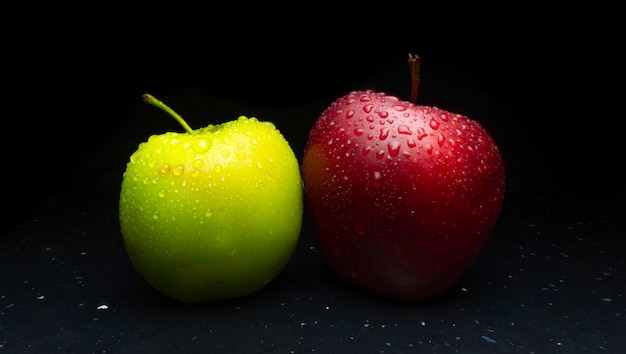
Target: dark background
pixel 74 81
pixel 545 83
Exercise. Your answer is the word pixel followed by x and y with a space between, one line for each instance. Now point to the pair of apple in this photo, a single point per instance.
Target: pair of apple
pixel 402 198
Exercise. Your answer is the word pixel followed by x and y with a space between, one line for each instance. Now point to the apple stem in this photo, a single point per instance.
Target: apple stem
pixel 148 98
pixel 414 64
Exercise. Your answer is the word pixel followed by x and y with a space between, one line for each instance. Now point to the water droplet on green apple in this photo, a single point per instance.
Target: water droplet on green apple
pixel 164 169
pixel 155 216
pixel 135 157
pixel 208 213
pixel 178 170
pixel 201 145
pixel 217 168
pixel 197 163
pixel 162 193
pixel 225 153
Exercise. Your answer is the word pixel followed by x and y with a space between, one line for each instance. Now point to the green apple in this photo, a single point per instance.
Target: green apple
pixel 212 213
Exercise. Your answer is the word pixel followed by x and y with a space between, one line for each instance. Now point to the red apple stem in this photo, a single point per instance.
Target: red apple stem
pixel 414 65
pixel 148 98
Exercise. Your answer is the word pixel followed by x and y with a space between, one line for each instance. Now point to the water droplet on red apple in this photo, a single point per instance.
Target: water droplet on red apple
pixel 429 148
pixel 434 124
pixel 368 108
pixel 399 107
pixel 369 119
pixel 364 98
pixel 349 114
pixel 380 154
pixel 404 129
pixel 358 131
pixel 376 179
pixel 384 132
pixel 366 150
pixel 393 147
pixel 421 133
pixel 441 139
pixel 383 114
pixel 411 143
pixel 444 117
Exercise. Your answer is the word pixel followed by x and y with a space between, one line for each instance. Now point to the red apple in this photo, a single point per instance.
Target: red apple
pixel 402 196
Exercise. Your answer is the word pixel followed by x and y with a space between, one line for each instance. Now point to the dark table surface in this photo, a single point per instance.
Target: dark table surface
pixel 551 277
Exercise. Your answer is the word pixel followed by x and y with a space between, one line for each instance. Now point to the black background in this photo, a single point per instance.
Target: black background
pixel 74 80
pixel 546 85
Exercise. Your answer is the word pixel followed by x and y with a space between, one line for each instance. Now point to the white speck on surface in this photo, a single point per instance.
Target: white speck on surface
pixel 488 339
pixel 606 299
pixel 41 297
pixel 103 307
pixel 423 323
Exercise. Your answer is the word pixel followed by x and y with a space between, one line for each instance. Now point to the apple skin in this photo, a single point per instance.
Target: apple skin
pixel 212 215
pixel 402 196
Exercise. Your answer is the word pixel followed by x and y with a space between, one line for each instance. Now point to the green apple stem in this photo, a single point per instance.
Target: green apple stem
pixel 148 98
pixel 414 64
